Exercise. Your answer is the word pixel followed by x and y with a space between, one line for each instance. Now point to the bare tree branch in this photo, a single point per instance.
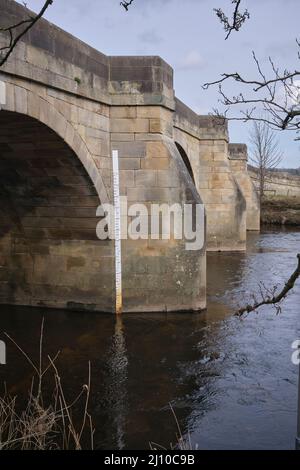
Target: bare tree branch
pixel 126 4
pixel 269 297
pixel 278 97
pixel 265 152
pixel 238 18
pixel 16 32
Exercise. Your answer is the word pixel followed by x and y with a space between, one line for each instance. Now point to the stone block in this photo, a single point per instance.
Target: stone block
pixel 148 194
pixel 168 179
pixel 117 137
pixel 36 57
pixel 130 125
pixel 127 179
pixel 21 100
pixel 130 163
pixel 93 120
pixel 34 105
pixel 155 163
pixel 219 156
pixel 156 126
pixel 154 112
pixel 130 149
pixel 94 145
pixel 127 112
pixel 146 178
pixel 157 150
pixel 146 137
pixel 159 126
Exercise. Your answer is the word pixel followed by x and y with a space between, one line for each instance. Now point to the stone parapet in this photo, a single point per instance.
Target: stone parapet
pixel 238 152
pixel 201 127
pixel 51 56
pixel 161 275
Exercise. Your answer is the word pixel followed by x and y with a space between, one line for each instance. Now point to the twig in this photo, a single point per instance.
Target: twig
pixel 40 427
pixel 126 4
pixel 24 354
pixel 238 18
pixel 13 40
pixel 277 96
pixel 275 299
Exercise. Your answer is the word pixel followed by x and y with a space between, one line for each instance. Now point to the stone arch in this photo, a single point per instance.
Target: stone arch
pixel 26 102
pixel 50 254
pixel 186 160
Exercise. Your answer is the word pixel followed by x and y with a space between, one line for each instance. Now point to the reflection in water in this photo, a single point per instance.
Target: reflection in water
pixel 116 384
pixel 231 382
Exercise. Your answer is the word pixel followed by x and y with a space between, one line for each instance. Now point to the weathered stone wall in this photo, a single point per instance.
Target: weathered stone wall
pixel 52 256
pixel 56 270
pixel 139 80
pixel 93 104
pixel 49 253
pixel 158 274
pixel 85 105
pixel 238 156
pixel 206 143
pixel 278 183
pixel 52 57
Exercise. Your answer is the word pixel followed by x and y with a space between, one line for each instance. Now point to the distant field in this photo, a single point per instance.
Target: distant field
pixel 292 171
pixel 281 210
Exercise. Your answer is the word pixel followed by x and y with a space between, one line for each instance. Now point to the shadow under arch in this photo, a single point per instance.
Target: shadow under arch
pixel 50 253
pixel 36 107
pixel 186 160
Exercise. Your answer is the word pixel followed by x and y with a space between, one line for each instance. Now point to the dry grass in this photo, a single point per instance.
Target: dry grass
pixel 41 425
pixel 281 211
pixel 182 442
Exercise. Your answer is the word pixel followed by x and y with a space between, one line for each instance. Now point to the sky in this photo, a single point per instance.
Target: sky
pixel 188 35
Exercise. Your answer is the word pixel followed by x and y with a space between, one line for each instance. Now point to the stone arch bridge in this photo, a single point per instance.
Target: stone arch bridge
pixel 63 108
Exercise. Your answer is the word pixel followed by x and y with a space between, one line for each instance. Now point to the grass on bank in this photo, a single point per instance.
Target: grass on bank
pixel 45 424
pixel 280 210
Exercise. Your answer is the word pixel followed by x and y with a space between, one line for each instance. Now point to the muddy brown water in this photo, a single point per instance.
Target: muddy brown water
pixel 231 383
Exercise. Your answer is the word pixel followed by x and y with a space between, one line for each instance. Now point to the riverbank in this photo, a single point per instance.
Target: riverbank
pixel 280 210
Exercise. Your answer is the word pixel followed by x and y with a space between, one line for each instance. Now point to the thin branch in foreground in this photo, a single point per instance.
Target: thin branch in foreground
pixel 238 18
pixel 126 4
pixel 276 96
pixel 270 298
pixel 15 36
pixel 183 443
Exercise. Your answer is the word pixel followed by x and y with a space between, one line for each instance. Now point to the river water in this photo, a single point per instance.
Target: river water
pixel 231 382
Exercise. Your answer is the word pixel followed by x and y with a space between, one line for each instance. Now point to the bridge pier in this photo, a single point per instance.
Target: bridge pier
pixel 205 141
pixel 238 157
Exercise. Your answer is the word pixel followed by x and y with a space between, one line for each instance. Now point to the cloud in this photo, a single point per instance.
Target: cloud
pixel 193 60
pixel 150 37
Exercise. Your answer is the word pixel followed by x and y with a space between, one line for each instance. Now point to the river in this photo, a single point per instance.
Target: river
pixel 231 382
